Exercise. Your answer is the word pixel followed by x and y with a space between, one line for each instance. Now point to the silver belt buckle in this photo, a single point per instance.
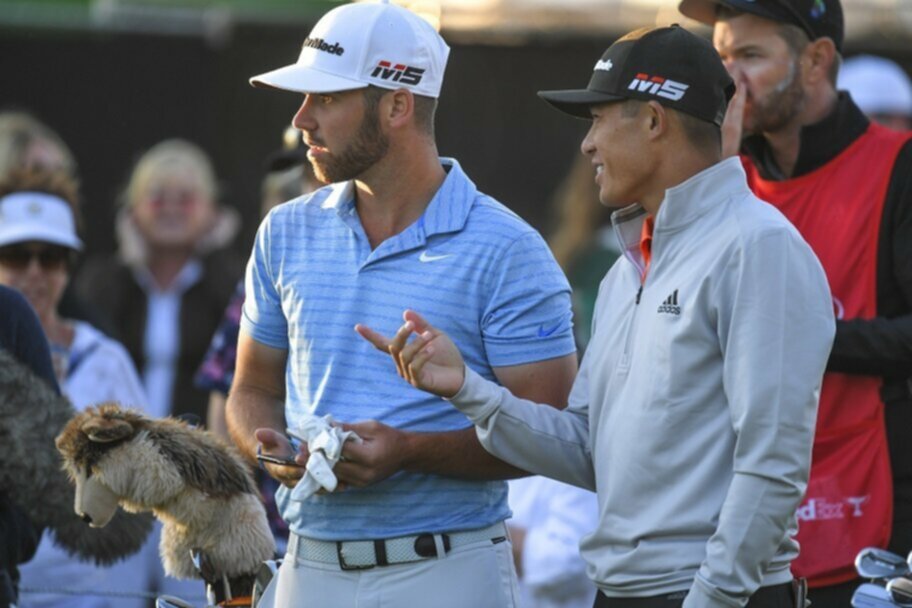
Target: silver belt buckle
pixel 346 566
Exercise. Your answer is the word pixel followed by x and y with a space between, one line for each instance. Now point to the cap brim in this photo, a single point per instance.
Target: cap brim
pixel 40 233
pixel 577 102
pixel 704 11
pixel 303 79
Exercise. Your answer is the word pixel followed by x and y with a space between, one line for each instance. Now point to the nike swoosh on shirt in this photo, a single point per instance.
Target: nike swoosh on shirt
pixel 427 257
pixel 544 332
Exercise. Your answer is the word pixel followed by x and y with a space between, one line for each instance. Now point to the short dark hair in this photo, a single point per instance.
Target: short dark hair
pixel 797 40
pixel 704 135
pixel 425 107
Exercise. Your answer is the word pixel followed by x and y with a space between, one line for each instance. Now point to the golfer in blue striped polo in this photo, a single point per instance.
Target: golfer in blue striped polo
pixel 418 518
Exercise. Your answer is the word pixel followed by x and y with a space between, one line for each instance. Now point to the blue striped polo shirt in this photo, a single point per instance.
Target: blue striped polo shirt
pixel 471 266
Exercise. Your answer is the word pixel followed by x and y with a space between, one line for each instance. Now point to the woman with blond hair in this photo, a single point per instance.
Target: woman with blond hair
pixel 165 291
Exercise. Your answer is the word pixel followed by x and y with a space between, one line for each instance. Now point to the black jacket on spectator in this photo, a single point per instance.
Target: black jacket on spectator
pixel 109 287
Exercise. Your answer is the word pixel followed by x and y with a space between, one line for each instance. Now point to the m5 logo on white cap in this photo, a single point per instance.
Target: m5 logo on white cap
pixel 365 44
pixel 401 73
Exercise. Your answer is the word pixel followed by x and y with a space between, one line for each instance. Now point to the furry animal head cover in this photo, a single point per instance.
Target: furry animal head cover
pixel 31 475
pixel 201 460
pixel 196 484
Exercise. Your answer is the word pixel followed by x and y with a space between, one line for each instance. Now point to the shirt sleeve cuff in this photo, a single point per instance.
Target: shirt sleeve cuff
pixel 478 398
pixel 700 596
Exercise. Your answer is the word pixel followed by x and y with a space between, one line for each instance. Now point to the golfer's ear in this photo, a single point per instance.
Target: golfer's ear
pixel 655 119
pixel 398 108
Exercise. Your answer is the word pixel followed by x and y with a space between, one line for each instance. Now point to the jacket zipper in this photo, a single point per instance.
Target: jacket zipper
pixel 625 357
pixel 624 364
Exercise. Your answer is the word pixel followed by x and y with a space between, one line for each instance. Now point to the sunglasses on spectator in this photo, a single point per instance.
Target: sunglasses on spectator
pixel 19 257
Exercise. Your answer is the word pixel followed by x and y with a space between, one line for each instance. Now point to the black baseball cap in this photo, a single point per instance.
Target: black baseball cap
pixel 818 18
pixel 669 65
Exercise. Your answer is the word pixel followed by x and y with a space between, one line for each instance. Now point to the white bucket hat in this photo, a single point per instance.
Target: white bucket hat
pixel 37 216
pixel 357 45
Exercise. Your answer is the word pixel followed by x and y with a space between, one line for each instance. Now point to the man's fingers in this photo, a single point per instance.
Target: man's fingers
pixel 287 476
pixel 733 124
pixel 417 364
pixel 273 443
pixel 738 101
pixel 398 343
pixel 352 452
pixel 269 437
pixel 412 349
pixel 379 341
pixel 401 338
pixel 420 323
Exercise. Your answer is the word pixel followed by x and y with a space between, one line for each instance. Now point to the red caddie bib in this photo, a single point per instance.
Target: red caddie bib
pixel 849 500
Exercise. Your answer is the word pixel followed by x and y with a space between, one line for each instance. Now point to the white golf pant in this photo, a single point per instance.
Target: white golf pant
pixel 477 575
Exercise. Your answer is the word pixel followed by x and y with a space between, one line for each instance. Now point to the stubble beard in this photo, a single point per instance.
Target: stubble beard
pixel 366 149
pixel 780 107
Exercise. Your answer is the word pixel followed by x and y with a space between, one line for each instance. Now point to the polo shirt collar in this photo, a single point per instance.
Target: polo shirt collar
pixel 447 211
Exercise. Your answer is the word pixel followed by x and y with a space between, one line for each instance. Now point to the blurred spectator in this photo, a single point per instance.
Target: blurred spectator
pixel 583 243
pixel 289 175
pixel 38 246
pixel 288 172
pixel 27 142
pixel 167 288
pixel 21 336
pixel 549 519
pixel 881 88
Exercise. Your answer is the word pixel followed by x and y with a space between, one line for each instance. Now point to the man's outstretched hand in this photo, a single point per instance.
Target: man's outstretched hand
pixel 430 362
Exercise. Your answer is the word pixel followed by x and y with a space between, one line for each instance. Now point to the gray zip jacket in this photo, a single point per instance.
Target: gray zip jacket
pixel 694 410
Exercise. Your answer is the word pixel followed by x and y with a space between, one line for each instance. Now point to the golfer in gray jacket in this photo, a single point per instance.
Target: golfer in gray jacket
pixel 693 412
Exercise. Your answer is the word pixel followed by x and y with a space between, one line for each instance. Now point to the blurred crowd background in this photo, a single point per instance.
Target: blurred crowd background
pixel 114 77
pixel 145 106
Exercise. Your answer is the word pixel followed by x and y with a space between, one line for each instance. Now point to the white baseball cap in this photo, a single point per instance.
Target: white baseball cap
pixel 877 85
pixel 37 216
pixel 357 45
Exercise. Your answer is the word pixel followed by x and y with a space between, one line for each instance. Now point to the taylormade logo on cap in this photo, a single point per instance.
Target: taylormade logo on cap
pixel 358 45
pixel 320 45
